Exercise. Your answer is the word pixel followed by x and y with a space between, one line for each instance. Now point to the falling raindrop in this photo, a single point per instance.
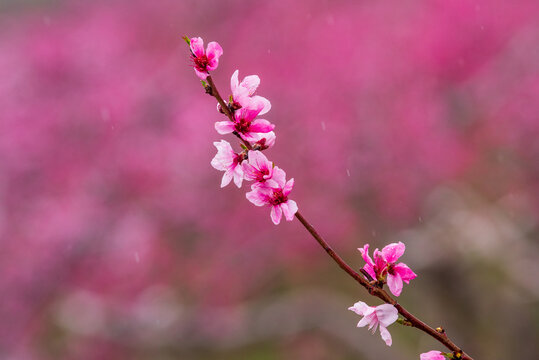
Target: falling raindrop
pixel 348 172
pixel 137 258
pixel 323 124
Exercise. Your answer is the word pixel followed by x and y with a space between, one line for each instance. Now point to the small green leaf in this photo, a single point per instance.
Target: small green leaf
pixel 186 39
pixel 243 146
pixel 204 83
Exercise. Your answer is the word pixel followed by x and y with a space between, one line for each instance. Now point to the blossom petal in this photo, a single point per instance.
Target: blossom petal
pixel 394 282
pixel 386 336
pixel 234 81
pixel 259 160
pixel 405 272
pixel 432 355
pixel 279 177
pixel 289 209
pixel 213 52
pixel 202 75
pixel 227 177
pixel 361 308
pixel 256 197
pixel 261 126
pixel 276 214
pixel 264 140
pixel 387 314
pixel 238 175
pixel 250 83
pixel 366 257
pixel 392 252
pixel 224 127
pixel 260 102
pixel 197 46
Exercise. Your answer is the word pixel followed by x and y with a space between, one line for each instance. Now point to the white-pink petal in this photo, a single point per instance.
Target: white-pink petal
pixel 288 187
pixel 261 103
pixel 290 208
pixel 361 308
pixel 256 197
pixel 432 355
pixel 387 314
pixel 386 336
pixel 224 127
pixel 227 177
pixel 279 177
pixel 250 83
pixel 234 81
pixel 238 175
pixel 276 214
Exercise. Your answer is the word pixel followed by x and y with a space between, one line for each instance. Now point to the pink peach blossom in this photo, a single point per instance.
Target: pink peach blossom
pixel 265 140
pixel 432 355
pixel 275 193
pixel 245 124
pixel 258 168
pixel 383 315
pixel 228 161
pixel 385 266
pixel 243 93
pixel 204 61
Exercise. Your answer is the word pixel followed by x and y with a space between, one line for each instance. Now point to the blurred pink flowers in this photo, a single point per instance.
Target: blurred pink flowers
pixel 384 265
pixel 228 161
pixel 383 315
pixel 275 194
pixel 204 61
pixel 432 355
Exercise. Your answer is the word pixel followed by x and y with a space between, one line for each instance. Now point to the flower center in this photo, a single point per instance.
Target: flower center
pixel 277 197
pixel 201 63
pixel 261 174
pixel 243 126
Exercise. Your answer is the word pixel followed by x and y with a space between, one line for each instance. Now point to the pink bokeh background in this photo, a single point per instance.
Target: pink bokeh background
pixel 399 120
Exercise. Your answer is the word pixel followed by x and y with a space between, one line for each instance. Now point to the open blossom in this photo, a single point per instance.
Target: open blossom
pixel 432 355
pixel 264 141
pixel 384 264
pixel 258 168
pixel 228 161
pixel 245 124
pixel 243 93
pixel 204 61
pixel 275 193
pixel 382 315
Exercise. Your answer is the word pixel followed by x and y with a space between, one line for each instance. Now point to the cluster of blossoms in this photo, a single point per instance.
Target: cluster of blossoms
pixel 383 267
pixel 270 187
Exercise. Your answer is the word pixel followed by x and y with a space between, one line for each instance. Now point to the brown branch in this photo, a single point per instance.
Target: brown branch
pixel 380 293
pixel 372 289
